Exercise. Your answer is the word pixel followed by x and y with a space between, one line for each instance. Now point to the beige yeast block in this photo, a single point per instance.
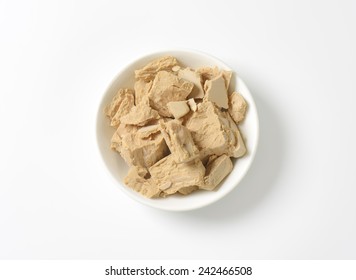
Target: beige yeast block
pixel 148 72
pixel 216 171
pixel 237 107
pixel 177 176
pixel 135 179
pixel 178 108
pixel 215 91
pixel 167 87
pixel 179 141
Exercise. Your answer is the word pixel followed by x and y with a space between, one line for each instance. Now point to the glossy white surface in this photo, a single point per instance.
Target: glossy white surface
pixel 296 202
pixel 117 166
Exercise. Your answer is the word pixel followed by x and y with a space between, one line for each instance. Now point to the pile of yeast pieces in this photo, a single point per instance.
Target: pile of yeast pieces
pixel 177 128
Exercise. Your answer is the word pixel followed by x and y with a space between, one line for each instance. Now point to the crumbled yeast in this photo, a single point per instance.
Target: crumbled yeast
pixel 177 128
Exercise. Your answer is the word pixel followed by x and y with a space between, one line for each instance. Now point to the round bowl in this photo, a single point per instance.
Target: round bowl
pixel 117 166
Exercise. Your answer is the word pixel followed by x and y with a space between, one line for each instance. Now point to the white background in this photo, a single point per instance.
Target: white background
pixel 298 58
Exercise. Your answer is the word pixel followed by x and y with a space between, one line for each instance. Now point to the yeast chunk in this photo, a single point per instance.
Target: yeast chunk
pixel 167 87
pixel 216 171
pixel 179 141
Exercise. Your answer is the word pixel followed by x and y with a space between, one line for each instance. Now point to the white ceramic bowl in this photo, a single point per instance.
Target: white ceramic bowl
pixel 117 166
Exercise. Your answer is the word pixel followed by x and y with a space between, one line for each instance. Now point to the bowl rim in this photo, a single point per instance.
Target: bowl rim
pixel 146 201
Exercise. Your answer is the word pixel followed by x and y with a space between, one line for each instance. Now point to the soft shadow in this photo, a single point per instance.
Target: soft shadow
pixel 264 172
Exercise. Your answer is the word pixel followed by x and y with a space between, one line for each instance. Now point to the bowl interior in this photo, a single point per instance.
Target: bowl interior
pixel 117 166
